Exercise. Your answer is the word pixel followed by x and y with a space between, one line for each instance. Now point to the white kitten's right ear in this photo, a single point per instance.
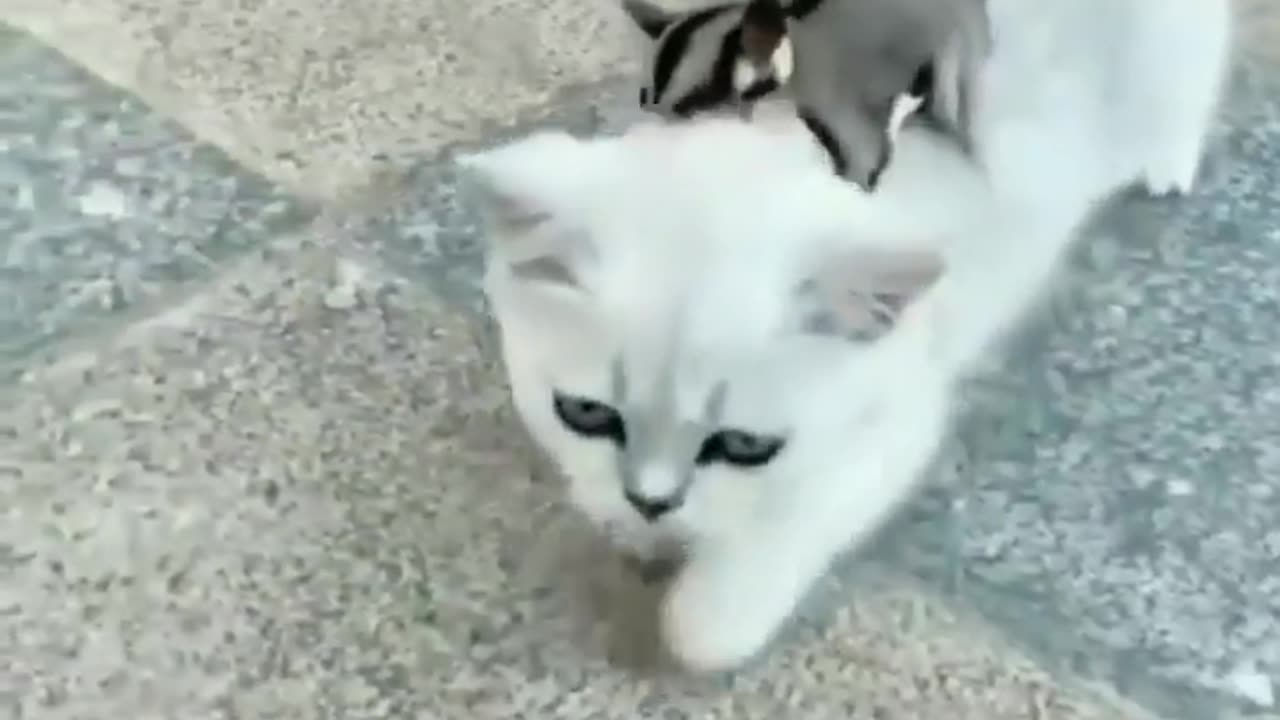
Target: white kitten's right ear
pixel 650 18
pixel 861 292
pixel 526 192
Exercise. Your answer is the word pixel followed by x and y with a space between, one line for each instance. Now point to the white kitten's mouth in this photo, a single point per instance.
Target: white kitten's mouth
pixel 658 565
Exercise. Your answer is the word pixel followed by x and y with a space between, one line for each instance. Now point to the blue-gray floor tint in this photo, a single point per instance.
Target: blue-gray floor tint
pixel 104 204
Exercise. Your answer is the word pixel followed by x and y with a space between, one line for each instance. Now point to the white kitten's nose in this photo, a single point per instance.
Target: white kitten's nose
pixel 650 508
pixel 655 492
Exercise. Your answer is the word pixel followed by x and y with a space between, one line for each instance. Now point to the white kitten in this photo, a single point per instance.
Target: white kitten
pixel 721 343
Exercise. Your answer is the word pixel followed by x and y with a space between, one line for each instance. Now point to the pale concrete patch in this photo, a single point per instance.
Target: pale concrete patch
pixel 266 504
pixel 324 96
pixel 314 93
pixel 1258 27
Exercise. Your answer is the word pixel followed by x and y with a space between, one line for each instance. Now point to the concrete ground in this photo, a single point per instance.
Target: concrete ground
pixel 256 460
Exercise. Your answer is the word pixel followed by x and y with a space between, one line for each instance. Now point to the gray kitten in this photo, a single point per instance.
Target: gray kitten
pixel 853 68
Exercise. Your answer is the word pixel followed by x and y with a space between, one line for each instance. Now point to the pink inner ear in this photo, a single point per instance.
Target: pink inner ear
pixel 865 291
pixel 883 270
pixel 908 272
pixel 523 180
pixel 514 214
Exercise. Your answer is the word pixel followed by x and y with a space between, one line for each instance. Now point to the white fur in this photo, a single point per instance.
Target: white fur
pixel 904 106
pixel 783 61
pixel 745 74
pixel 686 239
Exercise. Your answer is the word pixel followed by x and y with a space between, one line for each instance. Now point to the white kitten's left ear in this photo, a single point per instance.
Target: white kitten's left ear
pixel 516 183
pixel 862 292
pixel 526 191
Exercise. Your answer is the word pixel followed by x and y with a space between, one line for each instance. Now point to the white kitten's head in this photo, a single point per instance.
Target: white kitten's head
pixel 693 315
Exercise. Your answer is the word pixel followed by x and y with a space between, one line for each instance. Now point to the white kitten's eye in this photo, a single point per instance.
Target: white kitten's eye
pixel 736 447
pixel 590 418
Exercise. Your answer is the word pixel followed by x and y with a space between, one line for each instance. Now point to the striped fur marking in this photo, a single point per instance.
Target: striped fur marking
pixel 674 43
pixel 800 9
pixel 718 88
pixel 827 139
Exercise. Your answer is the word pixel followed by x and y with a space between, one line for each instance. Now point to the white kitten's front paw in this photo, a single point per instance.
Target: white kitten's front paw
pixel 717 617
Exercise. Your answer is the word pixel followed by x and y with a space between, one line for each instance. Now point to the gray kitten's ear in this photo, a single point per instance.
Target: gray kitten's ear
pixel 862 292
pixel 650 18
pixel 524 191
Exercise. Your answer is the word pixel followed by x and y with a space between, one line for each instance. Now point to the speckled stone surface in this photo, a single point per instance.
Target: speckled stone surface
pixel 272 502
pixel 1113 502
pixel 105 207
